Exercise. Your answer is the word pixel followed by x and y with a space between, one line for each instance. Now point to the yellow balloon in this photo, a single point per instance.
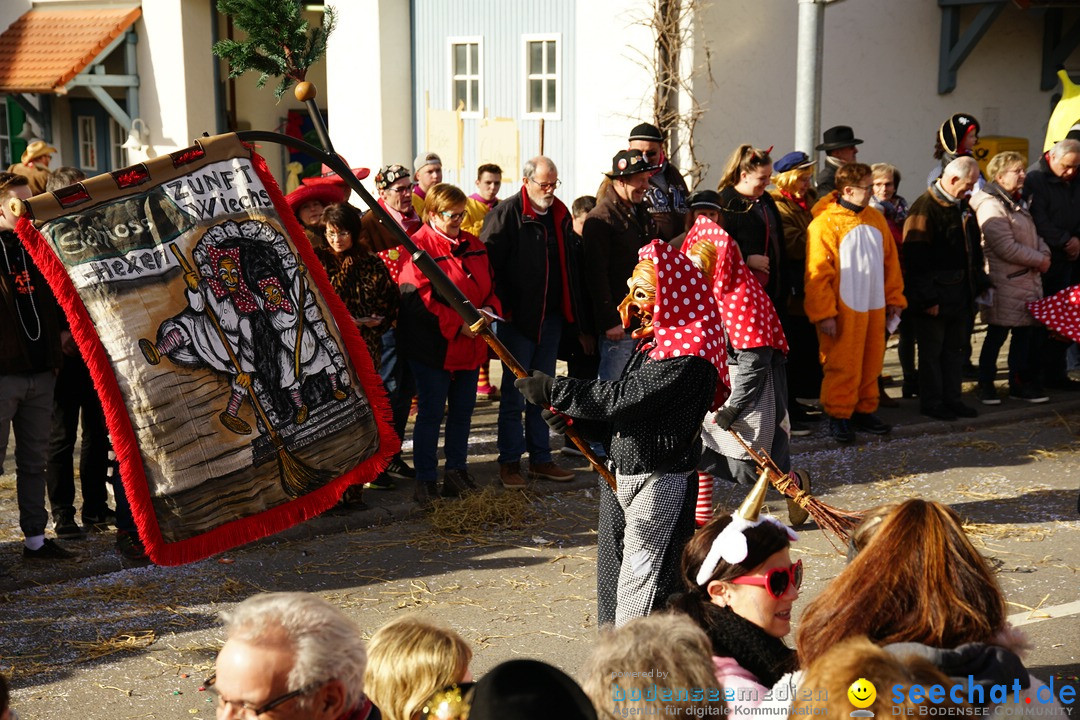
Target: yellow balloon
pixel 1066 112
pixel 862 693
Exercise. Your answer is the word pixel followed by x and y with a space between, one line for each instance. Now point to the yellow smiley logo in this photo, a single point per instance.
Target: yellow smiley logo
pixel 862 693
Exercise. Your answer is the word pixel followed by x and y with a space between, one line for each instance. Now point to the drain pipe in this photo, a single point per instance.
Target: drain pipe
pixel 808 64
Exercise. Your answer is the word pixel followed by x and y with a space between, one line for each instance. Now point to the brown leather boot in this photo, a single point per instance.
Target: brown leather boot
pixel 510 476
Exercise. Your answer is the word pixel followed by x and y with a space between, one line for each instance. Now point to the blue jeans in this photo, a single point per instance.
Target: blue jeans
pixel 514 439
pixel 26 401
pixel 435 389
pixel 398 380
pixel 614 356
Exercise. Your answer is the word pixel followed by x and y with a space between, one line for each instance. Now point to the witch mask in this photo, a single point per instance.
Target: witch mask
pixel 641 300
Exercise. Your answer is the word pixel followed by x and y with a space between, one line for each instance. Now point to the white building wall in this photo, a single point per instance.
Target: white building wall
pixel 176 89
pixel 614 87
pixel 880 77
pixel 368 84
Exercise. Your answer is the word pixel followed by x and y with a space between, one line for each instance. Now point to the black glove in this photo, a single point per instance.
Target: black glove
pixel 556 420
pixel 726 416
pixel 536 388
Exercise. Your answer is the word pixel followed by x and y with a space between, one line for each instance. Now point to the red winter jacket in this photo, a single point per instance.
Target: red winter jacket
pixel 428 330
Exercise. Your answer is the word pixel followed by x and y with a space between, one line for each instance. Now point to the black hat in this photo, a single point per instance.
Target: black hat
pixel 529 690
pixel 955 129
pixel 704 199
pixel 645 131
pixel 628 162
pixel 840 136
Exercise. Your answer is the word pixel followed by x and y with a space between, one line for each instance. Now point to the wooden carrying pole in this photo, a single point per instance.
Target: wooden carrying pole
pixel 476 321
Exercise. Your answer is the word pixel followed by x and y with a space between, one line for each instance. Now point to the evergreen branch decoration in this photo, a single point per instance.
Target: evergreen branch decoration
pixel 279 42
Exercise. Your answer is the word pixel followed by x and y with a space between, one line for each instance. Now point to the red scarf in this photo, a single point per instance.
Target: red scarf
pixel 801 202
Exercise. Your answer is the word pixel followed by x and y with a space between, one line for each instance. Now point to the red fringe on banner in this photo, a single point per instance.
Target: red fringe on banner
pixel 125 444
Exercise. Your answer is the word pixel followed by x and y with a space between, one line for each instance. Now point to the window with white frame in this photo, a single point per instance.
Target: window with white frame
pixel 465 79
pixel 117 137
pixel 542 76
pixel 87 133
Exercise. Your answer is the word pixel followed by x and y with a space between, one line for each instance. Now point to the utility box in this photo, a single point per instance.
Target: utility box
pixel 990 145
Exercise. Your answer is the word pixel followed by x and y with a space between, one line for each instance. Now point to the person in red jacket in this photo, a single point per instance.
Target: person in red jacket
pixel 445 355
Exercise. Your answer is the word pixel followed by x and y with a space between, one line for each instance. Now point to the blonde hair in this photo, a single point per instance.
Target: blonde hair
pixel 662 641
pixel 410 658
pixel 442 197
pixel 1002 162
pixel 786 181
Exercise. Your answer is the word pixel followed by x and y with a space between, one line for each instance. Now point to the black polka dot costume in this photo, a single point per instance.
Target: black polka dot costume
pixel 650 421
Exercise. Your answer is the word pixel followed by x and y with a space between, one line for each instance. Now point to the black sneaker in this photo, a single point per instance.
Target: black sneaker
pixel 66 528
pixel 51 550
pixel 871 423
pixel 130 546
pixel 383 482
pixel 988 395
pixel 840 429
pixel 398 469
pixel 99 523
pixel 1028 394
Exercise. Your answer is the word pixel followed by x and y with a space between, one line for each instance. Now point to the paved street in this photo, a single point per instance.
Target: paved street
pixel 517 578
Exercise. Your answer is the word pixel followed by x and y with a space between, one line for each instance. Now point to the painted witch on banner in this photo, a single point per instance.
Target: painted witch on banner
pixel 238 392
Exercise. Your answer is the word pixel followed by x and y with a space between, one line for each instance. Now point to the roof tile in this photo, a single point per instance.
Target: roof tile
pixel 44 49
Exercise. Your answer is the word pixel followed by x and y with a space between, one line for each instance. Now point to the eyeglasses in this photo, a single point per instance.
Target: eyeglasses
pixel 452 217
pixel 450 703
pixel 400 189
pixel 546 186
pixel 776 581
pixel 338 233
pixel 251 711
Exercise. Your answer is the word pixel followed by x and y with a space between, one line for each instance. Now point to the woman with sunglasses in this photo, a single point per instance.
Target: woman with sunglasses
pixel 444 354
pixel 741 585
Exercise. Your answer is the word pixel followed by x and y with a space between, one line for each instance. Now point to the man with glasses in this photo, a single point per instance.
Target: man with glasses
pixel 943 274
pixel 1053 191
pixel 526 238
pixel 293 654
pixel 667 193
pixel 395 196
pixel 854 290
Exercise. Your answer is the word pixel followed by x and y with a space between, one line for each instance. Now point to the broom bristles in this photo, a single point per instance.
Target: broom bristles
pixel 838 522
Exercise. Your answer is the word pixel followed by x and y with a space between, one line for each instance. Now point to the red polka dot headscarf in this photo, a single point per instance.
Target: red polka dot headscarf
pixel 1060 312
pixel 685 315
pixel 747 313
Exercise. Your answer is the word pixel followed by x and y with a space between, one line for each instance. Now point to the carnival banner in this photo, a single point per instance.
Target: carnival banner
pixel 239 395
